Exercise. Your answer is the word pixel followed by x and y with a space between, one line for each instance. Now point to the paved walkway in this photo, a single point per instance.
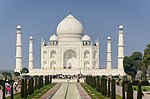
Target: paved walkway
pixel 51 92
pixel 66 90
pixel 119 92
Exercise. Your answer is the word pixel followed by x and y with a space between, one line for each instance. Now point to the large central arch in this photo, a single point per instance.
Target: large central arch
pixel 70 59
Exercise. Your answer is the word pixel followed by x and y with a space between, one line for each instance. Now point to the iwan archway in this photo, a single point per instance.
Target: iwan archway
pixel 70 59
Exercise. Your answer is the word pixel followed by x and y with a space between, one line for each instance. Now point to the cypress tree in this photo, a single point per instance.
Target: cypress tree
pixel 12 93
pixel 139 94
pixel 123 90
pixel 3 82
pixel 39 82
pixel 50 79
pixel 129 91
pixel 113 89
pixel 97 83
pixel 36 83
pixel 29 87
pixel 108 87
pixel 25 89
pixel 105 86
pixel 32 84
pixel 22 88
pixel 45 80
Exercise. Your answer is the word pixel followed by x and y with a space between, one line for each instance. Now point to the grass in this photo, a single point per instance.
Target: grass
pixel 94 94
pixel 147 88
pixel 37 93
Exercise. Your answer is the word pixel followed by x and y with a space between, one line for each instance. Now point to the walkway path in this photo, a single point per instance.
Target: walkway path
pixel 66 90
pixel 119 92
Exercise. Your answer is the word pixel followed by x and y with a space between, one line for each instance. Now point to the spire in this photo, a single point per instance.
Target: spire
pixel 109 60
pixel 69 11
pixel 31 53
pixel 18 49
pixel 120 47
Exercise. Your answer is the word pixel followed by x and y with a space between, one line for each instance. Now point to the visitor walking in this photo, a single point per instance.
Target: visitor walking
pixel 1 93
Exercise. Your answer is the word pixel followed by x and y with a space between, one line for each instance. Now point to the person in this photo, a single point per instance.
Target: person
pixel 1 93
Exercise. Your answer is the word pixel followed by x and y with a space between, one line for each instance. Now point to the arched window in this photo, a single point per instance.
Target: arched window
pixel 86 64
pixel 95 54
pixel 53 65
pixel 86 54
pixel 53 54
pixel 44 54
pixel 45 65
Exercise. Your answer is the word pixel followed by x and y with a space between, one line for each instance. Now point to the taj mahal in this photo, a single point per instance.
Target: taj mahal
pixel 70 51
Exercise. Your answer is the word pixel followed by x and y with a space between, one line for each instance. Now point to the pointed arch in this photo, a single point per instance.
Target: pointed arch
pixel 86 54
pixel 53 65
pixel 53 54
pixel 86 64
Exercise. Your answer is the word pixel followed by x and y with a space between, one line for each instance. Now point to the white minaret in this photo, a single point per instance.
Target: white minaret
pixel 31 53
pixel 109 61
pixel 18 50
pixel 120 47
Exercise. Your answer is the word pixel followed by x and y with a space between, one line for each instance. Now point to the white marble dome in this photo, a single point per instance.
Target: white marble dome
pixel 31 38
pixel 86 38
pixel 108 38
pixel 121 27
pixel 69 25
pixel 53 38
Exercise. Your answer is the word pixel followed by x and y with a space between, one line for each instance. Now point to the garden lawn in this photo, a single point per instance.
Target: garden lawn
pixel 37 93
pixel 92 92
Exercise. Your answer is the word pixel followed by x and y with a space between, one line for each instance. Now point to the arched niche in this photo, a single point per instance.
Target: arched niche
pixel 53 65
pixel 86 54
pixel 86 65
pixel 53 54
pixel 69 59
pixel 95 54
pixel 44 54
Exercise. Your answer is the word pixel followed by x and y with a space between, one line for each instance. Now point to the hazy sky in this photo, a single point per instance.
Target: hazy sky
pixel 100 18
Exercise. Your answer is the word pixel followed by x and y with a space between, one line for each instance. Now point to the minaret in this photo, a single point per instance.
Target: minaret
pixel 18 50
pixel 31 53
pixel 109 61
pixel 120 47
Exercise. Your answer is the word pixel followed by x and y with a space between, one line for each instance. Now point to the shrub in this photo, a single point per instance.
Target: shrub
pixel 135 82
pixel 145 83
pixel 144 90
pixel 134 88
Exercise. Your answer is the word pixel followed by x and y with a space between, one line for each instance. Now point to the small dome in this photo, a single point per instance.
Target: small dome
pixel 69 25
pixel 121 27
pixel 31 38
pixel 108 38
pixel 86 38
pixel 53 38
pixel 18 27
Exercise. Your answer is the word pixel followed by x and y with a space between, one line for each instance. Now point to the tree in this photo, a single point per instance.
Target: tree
pixel 128 63
pixel 133 63
pixel 16 73
pixel 6 74
pixel 146 59
pixel 24 70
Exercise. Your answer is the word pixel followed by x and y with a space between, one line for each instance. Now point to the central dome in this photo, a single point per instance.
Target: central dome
pixel 69 25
